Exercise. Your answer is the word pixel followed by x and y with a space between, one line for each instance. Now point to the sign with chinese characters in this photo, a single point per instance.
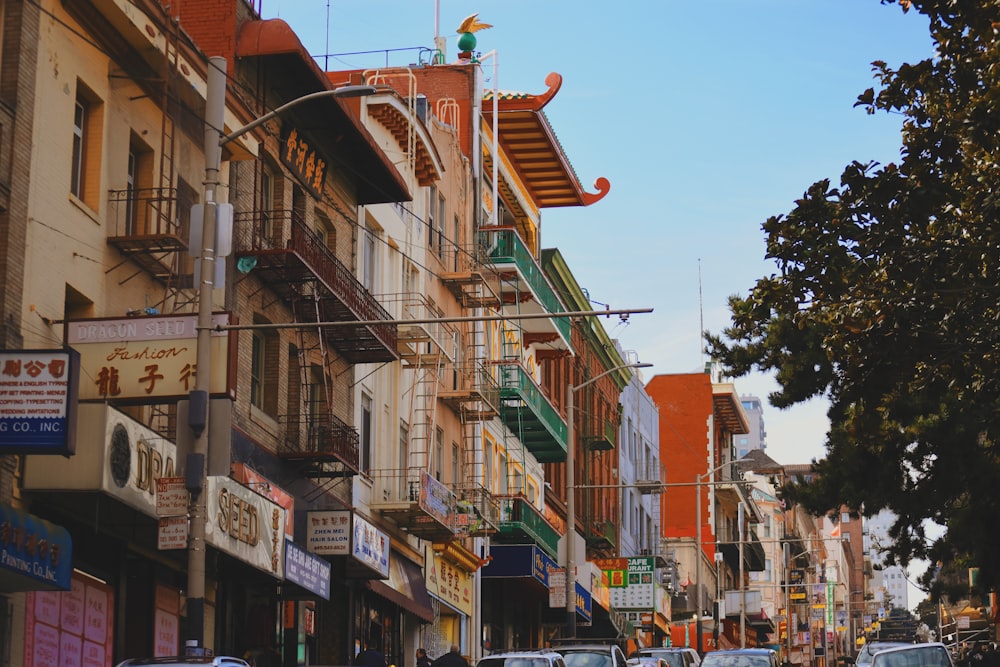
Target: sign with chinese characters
pixel 328 532
pixel 75 627
pixel 448 582
pixel 370 546
pixel 246 525
pixel 631 581
pixel 34 554
pixel 307 570
pixel 146 359
pixel 38 392
pixel 303 160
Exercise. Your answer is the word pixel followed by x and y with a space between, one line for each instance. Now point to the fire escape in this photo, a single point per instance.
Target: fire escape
pixel 150 218
pixel 445 360
pixel 294 262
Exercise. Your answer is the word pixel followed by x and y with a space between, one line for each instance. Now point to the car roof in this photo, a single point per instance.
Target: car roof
pixel 747 651
pixel 586 647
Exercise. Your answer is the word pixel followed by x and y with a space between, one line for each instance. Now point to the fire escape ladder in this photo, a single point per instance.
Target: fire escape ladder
pixel 423 406
pixel 173 298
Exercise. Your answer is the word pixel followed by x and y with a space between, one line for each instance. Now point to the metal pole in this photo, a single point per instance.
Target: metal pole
pixel 570 514
pixel 571 493
pixel 788 599
pixel 740 516
pixel 195 465
pixel 697 570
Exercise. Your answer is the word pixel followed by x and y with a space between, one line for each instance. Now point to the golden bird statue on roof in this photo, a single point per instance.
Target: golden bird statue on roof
pixel 472 24
pixel 466 32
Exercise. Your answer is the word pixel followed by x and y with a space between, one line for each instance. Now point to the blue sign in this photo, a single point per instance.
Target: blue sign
pixel 307 570
pixel 519 560
pixel 35 555
pixel 584 602
pixel 38 396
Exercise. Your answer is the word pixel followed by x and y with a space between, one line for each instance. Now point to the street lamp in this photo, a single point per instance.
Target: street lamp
pixel 697 576
pixel 198 412
pixel 571 494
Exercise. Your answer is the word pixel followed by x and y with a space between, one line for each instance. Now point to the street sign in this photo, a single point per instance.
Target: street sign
pixel 171 497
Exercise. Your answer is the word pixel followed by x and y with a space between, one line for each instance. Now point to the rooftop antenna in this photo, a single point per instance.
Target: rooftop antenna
pixel 701 316
pixel 326 47
pixel 439 41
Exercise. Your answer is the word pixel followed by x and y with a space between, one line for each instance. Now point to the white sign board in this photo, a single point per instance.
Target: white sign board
pixel 173 533
pixel 246 525
pixel 557 588
pixel 171 497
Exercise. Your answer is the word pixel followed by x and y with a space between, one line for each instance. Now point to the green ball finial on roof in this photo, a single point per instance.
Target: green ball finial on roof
pixel 466 41
pixel 470 25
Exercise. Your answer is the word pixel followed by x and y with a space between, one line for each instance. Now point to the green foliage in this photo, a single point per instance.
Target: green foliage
pixel 887 302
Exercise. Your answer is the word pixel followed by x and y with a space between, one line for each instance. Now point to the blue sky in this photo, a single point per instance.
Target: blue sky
pixel 706 117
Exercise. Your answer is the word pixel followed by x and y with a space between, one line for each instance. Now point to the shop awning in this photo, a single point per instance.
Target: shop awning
pixel 405 587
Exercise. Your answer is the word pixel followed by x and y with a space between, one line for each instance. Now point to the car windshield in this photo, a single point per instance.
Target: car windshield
pixel 729 660
pixel 673 658
pixel 513 661
pixel 913 656
pixel 587 659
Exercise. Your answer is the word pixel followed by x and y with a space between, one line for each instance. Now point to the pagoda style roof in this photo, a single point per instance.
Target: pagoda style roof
pixel 534 151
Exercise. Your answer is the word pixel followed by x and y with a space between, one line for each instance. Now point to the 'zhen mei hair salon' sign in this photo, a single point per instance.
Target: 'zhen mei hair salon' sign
pixel 38 401
pixel 147 359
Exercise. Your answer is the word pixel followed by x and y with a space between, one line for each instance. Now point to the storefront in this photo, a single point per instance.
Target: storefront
pixel 516 597
pixel 106 497
pixel 449 571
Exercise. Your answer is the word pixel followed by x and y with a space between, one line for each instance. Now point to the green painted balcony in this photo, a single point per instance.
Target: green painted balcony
pixel 521 522
pixel 602 533
pixel 522 277
pixel 529 414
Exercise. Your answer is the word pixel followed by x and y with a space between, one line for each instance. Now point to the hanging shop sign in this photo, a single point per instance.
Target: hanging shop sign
pixel 328 533
pixel 38 396
pixel 148 359
pixel 303 160
pixel 448 582
pixel 35 555
pixel 307 570
pixel 117 456
pixel 246 525
pixel 632 581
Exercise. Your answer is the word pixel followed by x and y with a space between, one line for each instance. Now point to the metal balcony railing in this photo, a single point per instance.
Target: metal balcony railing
pixel 286 253
pixel 478 512
pixel 318 438
pixel 530 415
pixel 520 520
pixel 144 212
pixel 602 532
pixel 506 248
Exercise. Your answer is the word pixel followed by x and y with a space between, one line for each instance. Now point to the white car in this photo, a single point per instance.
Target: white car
pixel 186 661
pixel 931 654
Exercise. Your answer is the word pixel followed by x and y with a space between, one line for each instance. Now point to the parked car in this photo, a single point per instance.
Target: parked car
pixel 864 657
pixel 542 658
pixel 675 656
pixel 592 655
pixel 741 657
pixel 931 654
pixel 647 661
pixel 186 661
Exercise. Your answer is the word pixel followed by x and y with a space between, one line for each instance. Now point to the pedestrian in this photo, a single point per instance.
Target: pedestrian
pixel 451 659
pixel 422 659
pixel 370 657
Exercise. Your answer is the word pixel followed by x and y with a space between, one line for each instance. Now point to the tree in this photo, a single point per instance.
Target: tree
pixel 886 300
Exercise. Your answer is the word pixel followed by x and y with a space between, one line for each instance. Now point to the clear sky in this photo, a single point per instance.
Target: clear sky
pixel 707 117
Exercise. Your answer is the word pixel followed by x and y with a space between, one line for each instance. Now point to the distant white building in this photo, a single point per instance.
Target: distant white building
pixel 757 437
pixel 889 583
